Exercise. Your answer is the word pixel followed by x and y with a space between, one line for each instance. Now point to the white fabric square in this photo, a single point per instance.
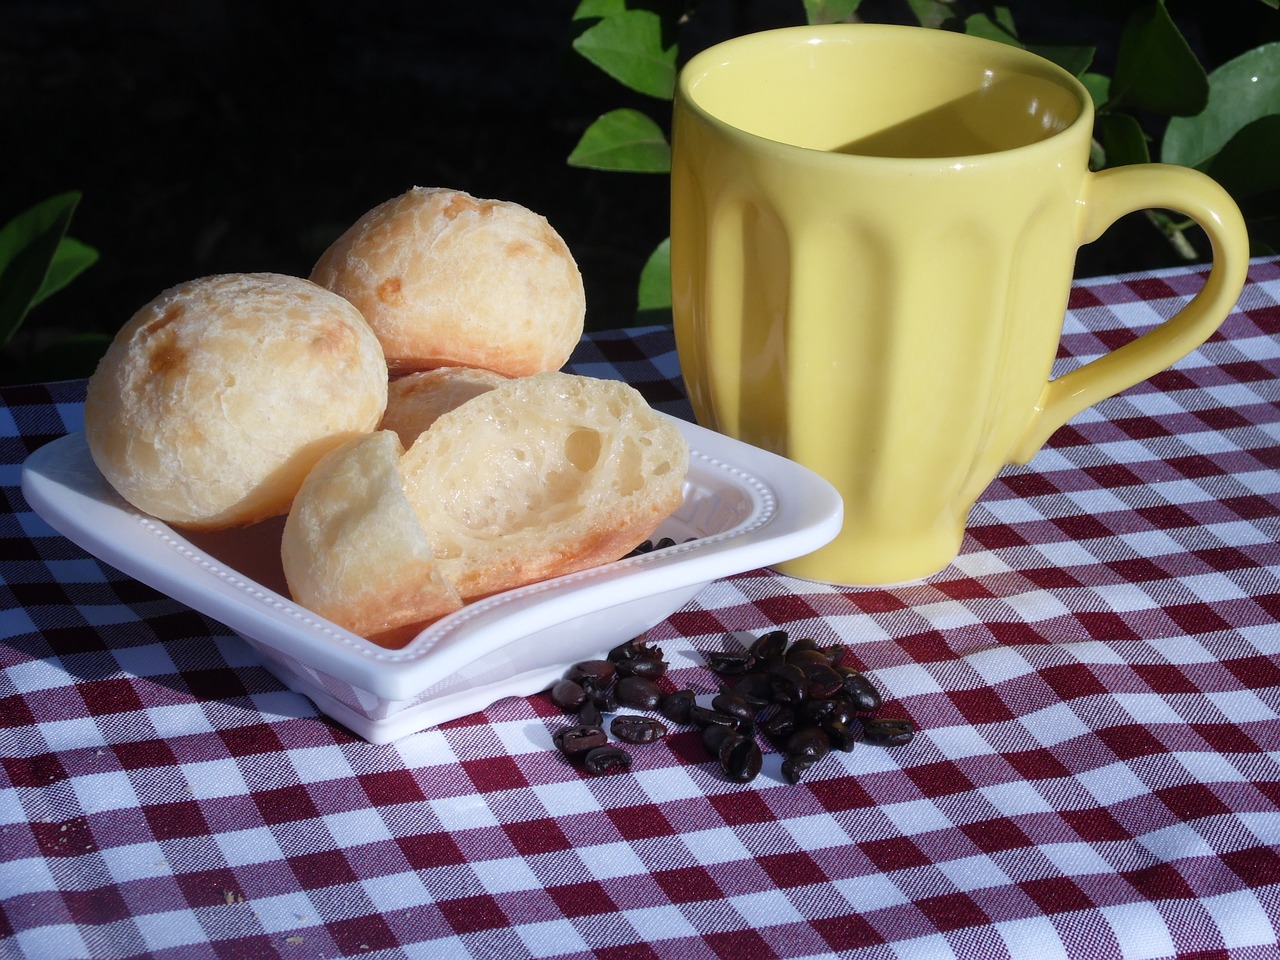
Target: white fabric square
pixel 1112 784
pixel 242 847
pixel 1097 501
pixel 75 733
pixel 816 832
pixel 872 892
pixel 551 938
pixel 670 783
pixel 175 928
pixel 1141 931
pixel 768 908
pixel 1180 491
pixel 720 845
pixel 654 924
pixel 1241 706
pixel 137 861
pixel 906 680
pixel 97 792
pixel 1213 587
pixel 566 799
pixel 179 720
pixel 982 563
pixel 1147 708
pixel 1065 553
pixel 214 778
pixel 43 674
pixel 15 623
pixel 463 812
pixel 11 810
pixel 1075 859
pixel 916 816
pixel 1210 767
pixel 28 875
pixel 960 741
pixel 1123 597
pixel 1240 533
pixel 521 737
pixel 291 912
pixel 400 891
pixel 1151 543
pixel 1241 919
pixel 1176 841
pixel 1016 798
pixel 974 873
pixel 427 748
pixel 1032 937
pixel 1054 724
pixel 1260 481
pixel 1187 650
pixel 606 860
pixel 151 660
pixel 1038 605
pixel 60 942
pixel 356 827
pixel 932 947
pixel 505 875
pixel 997 664
pixel 1092 651
pixel 947 614
pixel 318 764
pixel 1264 826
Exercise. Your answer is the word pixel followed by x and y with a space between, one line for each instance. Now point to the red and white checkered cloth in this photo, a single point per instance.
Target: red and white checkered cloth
pixel 1096 684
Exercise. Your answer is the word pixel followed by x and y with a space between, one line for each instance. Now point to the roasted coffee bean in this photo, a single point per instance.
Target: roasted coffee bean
pixel 676 706
pixel 600 672
pixel 811 743
pixel 769 645
pixel 637 648
pixel 701 716
pixel 568 694
pixel 577 740
pixel 664 543
pixel 835 653
pixel 787 683
pixel 793 768
pixel 740 757
pixel 780 724
pixel 754 688
pixel 888 731
pixel 589 714
pixel 818 710
pixel 801 645
pixel 603 697
pixel 607 760
pixel 638 692
pixel 630 728
pixel 860 689
pixel 733 704
pixel 824 681
pixel 643 547
pixel 729 661
pixel 843 735
pixel 713 735
pixel 649 669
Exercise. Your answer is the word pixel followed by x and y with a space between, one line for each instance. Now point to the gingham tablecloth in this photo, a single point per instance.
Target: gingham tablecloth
pixel 1095 681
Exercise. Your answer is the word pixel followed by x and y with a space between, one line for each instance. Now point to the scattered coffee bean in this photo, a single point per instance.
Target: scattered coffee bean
pixel 808 743
pixel 888 731
pixel 589 714
pixel 740 757
pixel 637 648
pixel 579 739
pixel 638 692
pixel 607 760
pixel 730 661
pixel 769 645
pixel 860 689
pixel 600 672
pixel 676 706
pixel 630 728
pixel 734 705
pixel 568 694
pixel 649 669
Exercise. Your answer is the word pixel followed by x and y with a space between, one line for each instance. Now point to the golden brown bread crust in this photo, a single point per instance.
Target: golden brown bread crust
pixel 417 400
pixel 352 549
pixel 216 398
pixel 446 279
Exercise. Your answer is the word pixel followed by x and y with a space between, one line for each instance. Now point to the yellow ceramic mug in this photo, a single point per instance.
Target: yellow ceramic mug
pixel 873 232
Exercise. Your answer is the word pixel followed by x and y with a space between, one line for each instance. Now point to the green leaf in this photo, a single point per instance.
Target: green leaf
pixel 70 260
pixel 598 9
pixel 1123 140
pixel 999 27
pixel 1074 59
pixel 627 45
pixel 1247 165
pixel 1099 87
pixel 625 140
pixel 1155 68
pixel 28 245
pixel 931 13
pixel 830 11
pixel 1240 91
pixel 655 279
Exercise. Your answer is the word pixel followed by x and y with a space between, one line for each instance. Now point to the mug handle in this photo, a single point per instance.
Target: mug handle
pixel 1109 195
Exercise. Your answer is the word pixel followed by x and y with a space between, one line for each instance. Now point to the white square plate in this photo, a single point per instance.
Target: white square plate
pixel 744 508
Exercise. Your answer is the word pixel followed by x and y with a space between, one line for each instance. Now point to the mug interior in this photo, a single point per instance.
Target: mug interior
pixel 883 91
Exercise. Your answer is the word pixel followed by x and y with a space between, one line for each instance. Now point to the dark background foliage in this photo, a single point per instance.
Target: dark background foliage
pixel 210 136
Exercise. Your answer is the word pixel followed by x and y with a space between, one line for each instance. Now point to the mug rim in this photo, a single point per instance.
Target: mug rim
pixel 704 62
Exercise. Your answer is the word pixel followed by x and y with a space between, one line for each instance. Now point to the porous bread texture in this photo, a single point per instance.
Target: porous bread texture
pixel 353 551
pixel 215 399
pixel 417 400
pixel 534 478
pixel 446 279
pixel 543 476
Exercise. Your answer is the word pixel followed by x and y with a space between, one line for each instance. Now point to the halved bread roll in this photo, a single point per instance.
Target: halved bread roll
pixel 353 550
pixel 416 401
pixel 542 476
pixel 214 401
pixel 446 279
